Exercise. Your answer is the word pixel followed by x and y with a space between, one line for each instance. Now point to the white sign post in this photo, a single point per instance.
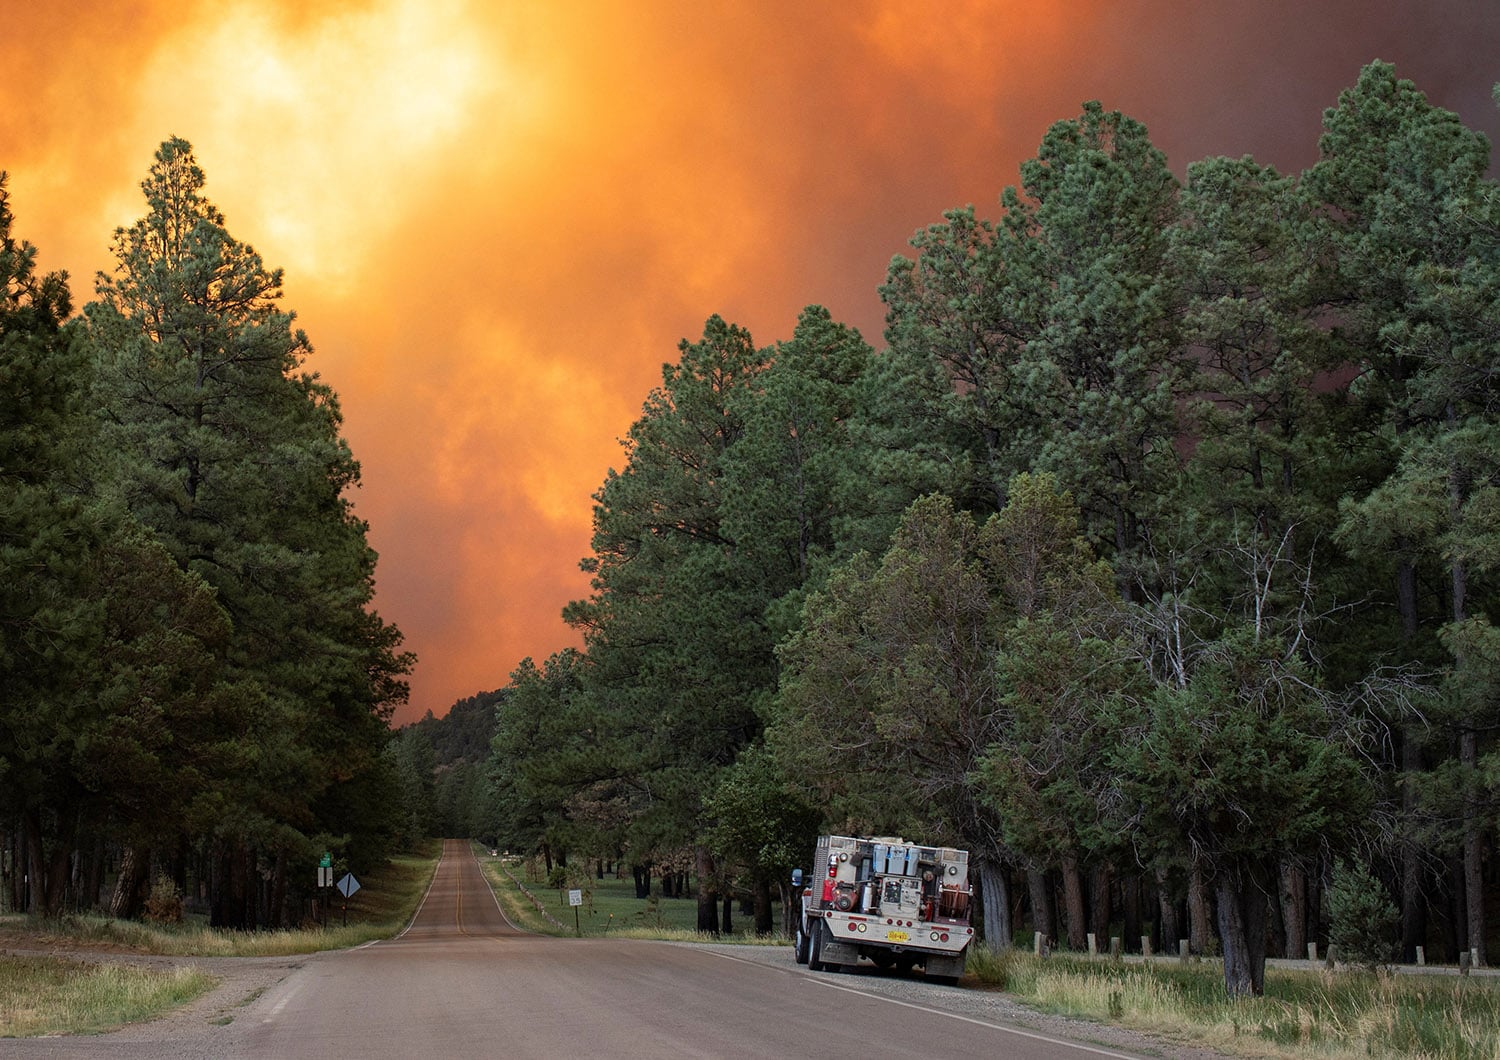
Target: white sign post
pixel 325 881
pixel 575 899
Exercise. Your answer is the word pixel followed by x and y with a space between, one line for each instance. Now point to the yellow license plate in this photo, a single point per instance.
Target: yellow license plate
pixel 896 936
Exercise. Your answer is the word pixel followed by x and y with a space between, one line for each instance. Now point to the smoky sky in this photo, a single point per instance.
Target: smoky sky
pixel 498 219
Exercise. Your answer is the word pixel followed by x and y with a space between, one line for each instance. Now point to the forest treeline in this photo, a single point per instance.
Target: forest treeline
pixel 194 690
pixel 442 766
pixel 1152 561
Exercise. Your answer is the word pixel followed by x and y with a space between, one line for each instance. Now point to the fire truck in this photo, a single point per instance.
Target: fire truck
pixel 898 904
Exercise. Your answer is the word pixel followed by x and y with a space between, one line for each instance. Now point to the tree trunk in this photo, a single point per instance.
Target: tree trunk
pixel 16 867
pixel 1458 924
pixel 1473 853
pixel 728 925
pixel 35 869
pixel 642 876
pixel 1130 898
pixel 1200 923
pixel 179 867
pixel 276 914
pixel 994 893
pixel 1413 901
pixel 1101 880
pixel 93 878
pixel 1042 918
pixel 47 870
pixel 1166 904
pixel 708 904
pixel 58 876
pixel 1468 741
pixel 765 912
pixel 126 900
pixel 233 896
pixel 1293 908
pixel 1077 915
pixel 1242 932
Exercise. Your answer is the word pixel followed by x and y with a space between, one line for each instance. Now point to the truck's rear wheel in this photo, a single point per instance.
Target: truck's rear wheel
pixel 815 953
pixel 800 945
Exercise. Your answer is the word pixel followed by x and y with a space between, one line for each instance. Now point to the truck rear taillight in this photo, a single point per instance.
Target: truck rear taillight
pixel 939 936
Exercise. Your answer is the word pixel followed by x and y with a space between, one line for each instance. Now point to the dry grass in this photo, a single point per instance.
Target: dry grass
pixel 45 995
pixel 1324 1015
pixel 381 907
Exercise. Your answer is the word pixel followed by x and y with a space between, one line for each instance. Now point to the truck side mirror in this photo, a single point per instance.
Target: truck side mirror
pixel 796 877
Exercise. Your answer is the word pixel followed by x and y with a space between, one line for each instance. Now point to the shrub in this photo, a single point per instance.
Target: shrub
pixel 164 904
pixel 1363 919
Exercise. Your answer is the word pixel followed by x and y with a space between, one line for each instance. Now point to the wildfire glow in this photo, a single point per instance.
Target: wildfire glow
pixel 497 219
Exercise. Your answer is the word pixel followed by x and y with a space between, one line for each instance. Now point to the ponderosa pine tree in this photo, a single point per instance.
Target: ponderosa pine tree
pixel 675 629
pixel 1263 472
pixel 789 487
pixel 1059 667
pixel 968 304
pixel 549 754
pixel 231 453
pixel 1412 220
pixel 50 625
pixel 106 648
pixel 1100 376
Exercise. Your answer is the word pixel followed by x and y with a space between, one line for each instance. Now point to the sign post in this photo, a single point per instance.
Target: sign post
pixel 325 881
pixel 575 899
pixel 347 886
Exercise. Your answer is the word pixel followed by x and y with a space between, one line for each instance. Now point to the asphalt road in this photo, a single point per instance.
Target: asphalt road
pixel 462 981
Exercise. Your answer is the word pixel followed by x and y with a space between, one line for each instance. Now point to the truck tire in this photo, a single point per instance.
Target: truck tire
pixel 800 945
pixel 815 953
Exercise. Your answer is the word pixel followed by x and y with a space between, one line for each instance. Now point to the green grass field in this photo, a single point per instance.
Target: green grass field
pixel 610 907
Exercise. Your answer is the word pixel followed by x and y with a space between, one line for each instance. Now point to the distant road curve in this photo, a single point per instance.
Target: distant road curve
pixel 462 981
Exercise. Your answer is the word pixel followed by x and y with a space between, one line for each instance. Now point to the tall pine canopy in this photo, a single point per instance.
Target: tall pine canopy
pixel 226 448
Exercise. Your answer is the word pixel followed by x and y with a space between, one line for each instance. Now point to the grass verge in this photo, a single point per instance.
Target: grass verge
pixel 43 995
pixel 1333 1015
pixel 384 903
pixel 610 909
